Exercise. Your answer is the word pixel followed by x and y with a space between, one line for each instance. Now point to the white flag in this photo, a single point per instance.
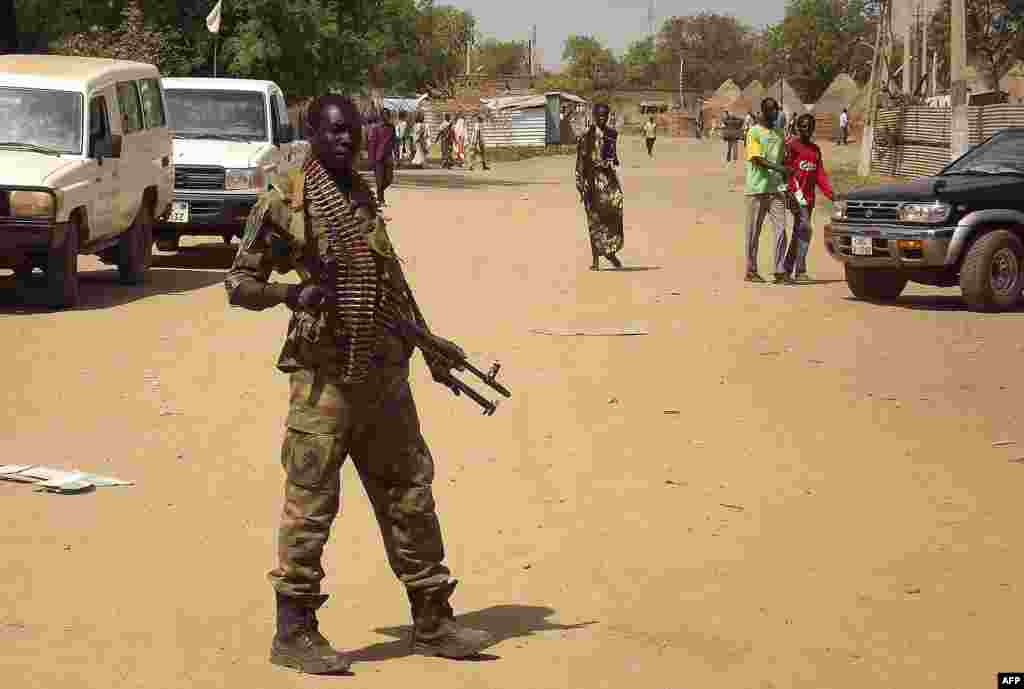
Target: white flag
pixel 213 19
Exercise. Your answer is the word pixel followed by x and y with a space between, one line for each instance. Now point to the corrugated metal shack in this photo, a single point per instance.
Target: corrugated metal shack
pixel 511 121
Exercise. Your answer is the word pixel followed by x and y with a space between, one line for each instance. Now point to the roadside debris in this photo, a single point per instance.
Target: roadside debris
pixel 1004 443
pixel 52 480
pixel 738 508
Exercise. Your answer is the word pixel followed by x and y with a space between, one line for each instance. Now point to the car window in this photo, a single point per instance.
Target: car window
pixel 44 118
pixel 152 104
pixel 282 108
pixel 1003 152
pixel 198 114
pixel 99 119
pixel 131 111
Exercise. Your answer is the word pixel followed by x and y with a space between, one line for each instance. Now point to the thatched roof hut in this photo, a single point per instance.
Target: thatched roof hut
pixel 790 100
pixel 841 93
pixel 750 99
pixel 721 99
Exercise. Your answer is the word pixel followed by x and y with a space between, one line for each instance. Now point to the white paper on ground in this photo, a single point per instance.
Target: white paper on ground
pixel 57 479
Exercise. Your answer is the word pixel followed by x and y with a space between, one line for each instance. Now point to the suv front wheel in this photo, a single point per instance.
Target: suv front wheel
pixel 874 284
pixel 135 251
pixel 991 277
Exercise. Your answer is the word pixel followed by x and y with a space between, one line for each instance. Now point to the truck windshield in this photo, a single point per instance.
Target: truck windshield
pixel 233 115
pixel 1003 154
pixel 40 120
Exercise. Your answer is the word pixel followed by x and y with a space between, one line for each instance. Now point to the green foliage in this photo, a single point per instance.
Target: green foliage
pixel 500 57
pixel 590 65
pixel 820 39
pixel 640 62
pixel 994 38
pixel 715 47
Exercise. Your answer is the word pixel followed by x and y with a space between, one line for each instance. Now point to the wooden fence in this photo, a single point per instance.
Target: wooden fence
pixel 914 141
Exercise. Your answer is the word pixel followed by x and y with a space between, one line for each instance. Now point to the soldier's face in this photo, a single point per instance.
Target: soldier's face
pixel 337 140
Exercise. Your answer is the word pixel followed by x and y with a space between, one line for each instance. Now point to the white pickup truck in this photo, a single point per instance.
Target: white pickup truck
pixel 230 137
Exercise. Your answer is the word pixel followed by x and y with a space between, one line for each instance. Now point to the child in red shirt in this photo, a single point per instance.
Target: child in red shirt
pixel 803 157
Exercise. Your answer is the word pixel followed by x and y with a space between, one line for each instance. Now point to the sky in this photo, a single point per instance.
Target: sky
pixel 617 23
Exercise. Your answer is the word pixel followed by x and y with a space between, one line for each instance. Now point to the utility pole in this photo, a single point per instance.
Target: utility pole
pixel 925 63
pixel 959 140
pixel 868 138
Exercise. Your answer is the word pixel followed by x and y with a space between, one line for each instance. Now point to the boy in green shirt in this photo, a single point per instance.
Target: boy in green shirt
pixel 766 189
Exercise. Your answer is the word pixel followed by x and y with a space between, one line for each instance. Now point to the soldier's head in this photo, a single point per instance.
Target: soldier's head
pixel 601 112
pixel 769 112
pixel 336 131
pixel 805 125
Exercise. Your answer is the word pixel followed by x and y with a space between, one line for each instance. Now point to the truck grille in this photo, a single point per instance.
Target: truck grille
pixel 872 210
pixel 195 177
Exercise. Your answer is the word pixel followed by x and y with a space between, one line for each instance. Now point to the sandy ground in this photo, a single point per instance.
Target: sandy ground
pixel 823 506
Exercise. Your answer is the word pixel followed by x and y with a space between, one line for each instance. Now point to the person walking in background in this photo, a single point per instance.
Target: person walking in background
pixel 444 137
pixel 476 143
pixel 459 139
pixel 700 124
pixel 804 160
pixel 765 189
pixel 732 130
pixel 650 134
pixel 596 159
pixel 844 127
pixel 400 130
pixel 381 151
pixel 421 141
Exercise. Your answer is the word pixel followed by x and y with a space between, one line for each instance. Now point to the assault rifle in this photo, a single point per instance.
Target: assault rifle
pixel 426 344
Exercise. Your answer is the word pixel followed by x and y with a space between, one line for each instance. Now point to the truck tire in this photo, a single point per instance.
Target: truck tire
pixel 992 275
pixel 62 271
pixel 135 251
pixel 875 284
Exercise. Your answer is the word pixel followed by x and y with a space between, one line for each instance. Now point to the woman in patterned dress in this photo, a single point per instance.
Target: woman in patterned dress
pixel 598 185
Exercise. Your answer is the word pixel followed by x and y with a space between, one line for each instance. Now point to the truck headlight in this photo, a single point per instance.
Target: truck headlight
pixel 32 204
pixel 924 212
pixel 245 179
pixel 839 209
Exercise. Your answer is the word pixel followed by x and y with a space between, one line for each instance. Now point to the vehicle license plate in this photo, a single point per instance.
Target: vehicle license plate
pixel 861 246
pixel 179 211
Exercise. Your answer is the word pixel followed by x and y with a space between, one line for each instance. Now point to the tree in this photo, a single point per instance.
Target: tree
pixel 820 39
pixel 501 57
pixel 591 66
pixel 444 34
pixel 131 40
pixel 715 47
pixel 640 62
pixel 994 38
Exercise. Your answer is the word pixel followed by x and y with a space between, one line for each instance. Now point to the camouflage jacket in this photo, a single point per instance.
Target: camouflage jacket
pixel 284 233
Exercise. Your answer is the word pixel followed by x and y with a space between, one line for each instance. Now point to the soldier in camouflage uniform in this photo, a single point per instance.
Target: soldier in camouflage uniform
pixel 350 395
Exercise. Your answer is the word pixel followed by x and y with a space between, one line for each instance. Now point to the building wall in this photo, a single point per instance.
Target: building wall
pixel 508 127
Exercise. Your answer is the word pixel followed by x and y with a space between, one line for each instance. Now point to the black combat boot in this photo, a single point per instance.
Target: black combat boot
pixel 435 631
pixel 298 643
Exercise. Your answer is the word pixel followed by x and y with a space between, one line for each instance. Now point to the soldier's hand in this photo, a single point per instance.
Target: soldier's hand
pixel 451 353
pixel 308 297
pixel 441 371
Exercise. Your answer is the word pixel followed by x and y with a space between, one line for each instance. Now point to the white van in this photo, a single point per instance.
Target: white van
pixel 230 137
pixel 85 166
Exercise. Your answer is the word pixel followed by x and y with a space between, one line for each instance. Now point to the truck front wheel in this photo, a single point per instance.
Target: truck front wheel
pixel 991 277
pixel 875 284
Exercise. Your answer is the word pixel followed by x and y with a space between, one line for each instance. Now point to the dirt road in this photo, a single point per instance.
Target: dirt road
pixel 776 487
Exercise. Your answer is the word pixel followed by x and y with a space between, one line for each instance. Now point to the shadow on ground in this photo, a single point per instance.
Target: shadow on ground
pixel 502 621
pixel 207 256
pixel 100 289
pixel 934 302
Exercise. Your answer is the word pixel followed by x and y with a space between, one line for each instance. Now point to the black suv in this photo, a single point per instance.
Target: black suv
pixel 963 226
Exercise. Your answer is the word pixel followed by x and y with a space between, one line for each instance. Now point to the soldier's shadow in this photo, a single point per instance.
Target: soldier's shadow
pixel 502 621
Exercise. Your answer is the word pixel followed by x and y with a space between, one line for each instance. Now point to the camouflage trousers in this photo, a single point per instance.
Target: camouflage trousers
pixel 377 425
